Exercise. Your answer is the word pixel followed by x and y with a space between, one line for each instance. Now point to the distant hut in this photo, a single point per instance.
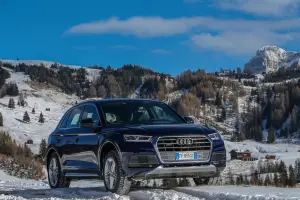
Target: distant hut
pixel 241 155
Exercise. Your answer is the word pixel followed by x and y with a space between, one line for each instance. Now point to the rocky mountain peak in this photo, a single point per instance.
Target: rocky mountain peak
pixel 271 58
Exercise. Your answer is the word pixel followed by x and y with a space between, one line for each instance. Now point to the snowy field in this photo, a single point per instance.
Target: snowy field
pixel 40 99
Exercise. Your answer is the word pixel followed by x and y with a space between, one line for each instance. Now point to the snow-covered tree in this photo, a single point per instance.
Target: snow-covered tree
pixel 26 117
pixel 41 118
pixel 43 148
pixel 1 119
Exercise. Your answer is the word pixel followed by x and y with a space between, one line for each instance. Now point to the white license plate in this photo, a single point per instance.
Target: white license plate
pixel 186 156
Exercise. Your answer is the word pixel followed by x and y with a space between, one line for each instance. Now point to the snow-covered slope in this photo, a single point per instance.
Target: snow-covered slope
pixel 92 74
pixel 40 99
pixel 271 58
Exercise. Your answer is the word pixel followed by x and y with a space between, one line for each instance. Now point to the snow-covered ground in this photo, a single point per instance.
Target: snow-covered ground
pixel 40 99
pixel 14 188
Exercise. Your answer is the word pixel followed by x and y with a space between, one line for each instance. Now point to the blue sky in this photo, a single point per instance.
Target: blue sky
pixel 168 36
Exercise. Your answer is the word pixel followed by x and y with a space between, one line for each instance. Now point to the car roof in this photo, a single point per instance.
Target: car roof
pixel 115 100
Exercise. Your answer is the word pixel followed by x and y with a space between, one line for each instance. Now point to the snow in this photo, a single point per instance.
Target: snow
pixel 247 193
pixel 40 100
pixel 92 74
pixel 13 188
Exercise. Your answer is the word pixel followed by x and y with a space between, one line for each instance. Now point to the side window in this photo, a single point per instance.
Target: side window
pixel 63 124
pixel 73 120
pixel 140 115
pixel 90 112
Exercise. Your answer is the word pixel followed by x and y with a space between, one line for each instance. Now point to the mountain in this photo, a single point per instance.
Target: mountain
pixel 271 58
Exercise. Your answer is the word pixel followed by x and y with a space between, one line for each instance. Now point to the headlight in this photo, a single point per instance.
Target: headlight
pixel 137 138
pixel 214 136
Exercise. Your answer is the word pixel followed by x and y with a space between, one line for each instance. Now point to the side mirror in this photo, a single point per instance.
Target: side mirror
pixel 189 120
pixel 87 123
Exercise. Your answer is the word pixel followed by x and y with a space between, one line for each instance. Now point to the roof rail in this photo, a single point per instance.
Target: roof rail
pixel 90 99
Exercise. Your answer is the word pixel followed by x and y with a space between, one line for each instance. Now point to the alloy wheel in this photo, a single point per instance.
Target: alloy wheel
pixel 110 173
pixel 53 171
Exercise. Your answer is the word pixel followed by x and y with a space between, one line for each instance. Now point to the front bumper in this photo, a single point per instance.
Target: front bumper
pixel 180 172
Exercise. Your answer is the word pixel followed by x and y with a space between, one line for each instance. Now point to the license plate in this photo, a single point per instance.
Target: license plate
pixel 186 156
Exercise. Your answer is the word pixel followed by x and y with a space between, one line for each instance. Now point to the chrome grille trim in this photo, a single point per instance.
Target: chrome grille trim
pixel 166 148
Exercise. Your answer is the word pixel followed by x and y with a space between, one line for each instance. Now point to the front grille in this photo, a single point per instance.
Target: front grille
pixel 168 147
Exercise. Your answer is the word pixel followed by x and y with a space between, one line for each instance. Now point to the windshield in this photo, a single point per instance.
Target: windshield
pixel 142 112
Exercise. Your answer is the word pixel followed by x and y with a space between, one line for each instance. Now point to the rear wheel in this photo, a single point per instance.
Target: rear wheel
pixel 114 178
pixel 55 175
pixel 201 181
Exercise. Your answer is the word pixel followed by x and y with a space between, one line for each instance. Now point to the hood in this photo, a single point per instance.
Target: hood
pixel 168 129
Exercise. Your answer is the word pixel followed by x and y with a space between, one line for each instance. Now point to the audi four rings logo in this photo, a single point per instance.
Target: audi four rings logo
pixel 182 141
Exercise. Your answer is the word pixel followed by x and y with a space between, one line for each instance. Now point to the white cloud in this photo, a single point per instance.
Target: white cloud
pixel 159 27
pixel 160 51
pixel 235 36
pixel 277 8
pixel 138 26
pixel 239 43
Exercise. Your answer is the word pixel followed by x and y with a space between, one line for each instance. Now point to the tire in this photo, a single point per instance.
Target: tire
pixel 60 181
pixel 115 180
pixel 201 181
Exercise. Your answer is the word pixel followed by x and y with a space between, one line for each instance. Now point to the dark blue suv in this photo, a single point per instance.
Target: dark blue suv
pixel 120 140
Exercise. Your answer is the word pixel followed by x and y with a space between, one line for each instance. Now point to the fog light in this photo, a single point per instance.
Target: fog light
pixel 142 161
pixel 218 157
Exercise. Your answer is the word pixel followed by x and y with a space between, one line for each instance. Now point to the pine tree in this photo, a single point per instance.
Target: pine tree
pixel 218 101
pixel 271 135
pixel 33 111
pixel 21 101
pixel 43 148
pixel 26 117
pixel 283 178
pixel 246 181
pixel 1 119
pixel 223 114
pixel 297 169
pixel 11 103
pixel 41 118
pixel 276 180
pixel 294 122
pixel 267 180
pixel 292 177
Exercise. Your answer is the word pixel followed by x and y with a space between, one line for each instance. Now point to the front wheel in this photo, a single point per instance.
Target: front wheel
pixel 114 178
pixel 56 178
pixel 201 181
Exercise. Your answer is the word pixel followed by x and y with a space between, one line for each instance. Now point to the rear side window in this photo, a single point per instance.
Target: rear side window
pixel 73 120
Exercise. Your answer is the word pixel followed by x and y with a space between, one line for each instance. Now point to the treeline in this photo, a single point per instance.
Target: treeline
pixel 283 74
pixel 118 83
pixel 268 174
pixel 278 105
pixel 3 86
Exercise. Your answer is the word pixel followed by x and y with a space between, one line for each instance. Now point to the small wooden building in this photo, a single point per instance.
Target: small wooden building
pixel 241 155
pixel 270 157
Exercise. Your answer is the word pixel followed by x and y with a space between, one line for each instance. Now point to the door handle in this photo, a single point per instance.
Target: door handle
pixel 77 140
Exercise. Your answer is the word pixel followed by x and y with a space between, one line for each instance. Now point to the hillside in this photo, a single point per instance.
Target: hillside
pixel 256 113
